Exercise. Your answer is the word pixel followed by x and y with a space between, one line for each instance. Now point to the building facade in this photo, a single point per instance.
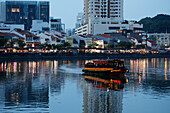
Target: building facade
pixel 161 39
pixel 79 20
pixel 104 16
pixel 57 25
pixel 24 11
pixel 39 25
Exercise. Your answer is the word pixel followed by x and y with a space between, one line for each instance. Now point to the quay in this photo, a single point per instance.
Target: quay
pixel 68 56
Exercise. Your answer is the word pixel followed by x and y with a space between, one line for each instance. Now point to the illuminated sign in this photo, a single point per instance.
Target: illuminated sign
pixel 70 40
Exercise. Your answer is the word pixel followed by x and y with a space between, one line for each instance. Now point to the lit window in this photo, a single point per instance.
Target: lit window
pixel 15 10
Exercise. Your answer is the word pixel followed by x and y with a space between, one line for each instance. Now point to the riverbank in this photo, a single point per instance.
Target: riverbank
pixel 54 56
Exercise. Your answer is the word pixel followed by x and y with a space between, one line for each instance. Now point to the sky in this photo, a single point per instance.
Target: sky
pixel 67 10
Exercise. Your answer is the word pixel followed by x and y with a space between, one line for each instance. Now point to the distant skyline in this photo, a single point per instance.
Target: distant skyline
pixel 68 10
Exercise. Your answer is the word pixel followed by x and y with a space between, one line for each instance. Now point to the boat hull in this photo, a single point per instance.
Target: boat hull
pixel 104 73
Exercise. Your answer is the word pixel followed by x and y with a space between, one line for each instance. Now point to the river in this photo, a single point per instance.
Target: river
pixel 59 87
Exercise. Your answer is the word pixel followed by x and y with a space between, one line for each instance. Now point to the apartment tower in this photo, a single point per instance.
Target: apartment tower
pixel 103 11
pixel 24 11
pixel 101 15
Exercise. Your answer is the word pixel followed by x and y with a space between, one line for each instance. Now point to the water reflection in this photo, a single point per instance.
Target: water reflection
pixel 158 66
pixel 107 82
pixel 150 75
pixel 102 101
pixel 54 86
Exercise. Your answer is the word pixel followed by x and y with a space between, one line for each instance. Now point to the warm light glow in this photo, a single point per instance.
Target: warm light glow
pixel 33 45
pixel 166 78
pixel 15 10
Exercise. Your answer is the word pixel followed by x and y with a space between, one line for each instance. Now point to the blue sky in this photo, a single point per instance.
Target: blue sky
pixel 133 9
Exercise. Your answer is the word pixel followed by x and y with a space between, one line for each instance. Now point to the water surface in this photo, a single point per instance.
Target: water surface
pixel 59 87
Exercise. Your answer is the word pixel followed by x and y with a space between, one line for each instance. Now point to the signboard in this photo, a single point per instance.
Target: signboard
pixel 70 40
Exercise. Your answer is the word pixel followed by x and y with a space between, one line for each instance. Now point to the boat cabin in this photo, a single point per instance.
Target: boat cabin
pixel 106 64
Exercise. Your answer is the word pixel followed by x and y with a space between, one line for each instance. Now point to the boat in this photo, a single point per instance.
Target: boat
pixel 106 67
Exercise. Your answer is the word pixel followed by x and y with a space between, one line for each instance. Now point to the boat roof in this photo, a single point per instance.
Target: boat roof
pixel 106 60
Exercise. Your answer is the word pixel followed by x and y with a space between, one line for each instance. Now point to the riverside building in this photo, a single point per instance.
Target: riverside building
pixel 24 11
pixel 104 16
pixel 161 39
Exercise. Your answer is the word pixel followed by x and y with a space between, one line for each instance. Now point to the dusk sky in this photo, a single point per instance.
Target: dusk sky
pixel 133 9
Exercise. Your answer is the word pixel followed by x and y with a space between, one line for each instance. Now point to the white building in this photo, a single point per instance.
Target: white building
pixel 9 27
pixel 57 25
pixel 39 25
pixel 51 38
pixel 152 44
pixel 80 19
pixel 87 41
pixel 161 39
pixel 104 16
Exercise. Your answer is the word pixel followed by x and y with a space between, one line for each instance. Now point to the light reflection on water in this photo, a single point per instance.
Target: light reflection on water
pixel 59 86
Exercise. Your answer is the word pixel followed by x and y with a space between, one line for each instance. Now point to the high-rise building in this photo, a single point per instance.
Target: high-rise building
pixel 24 11
pixel 79 20
pixel 103 11
pixel 102 16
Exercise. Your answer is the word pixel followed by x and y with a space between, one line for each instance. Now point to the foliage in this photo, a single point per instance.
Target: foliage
pixel 42 45
pixel 59 46
pixel 140 46
pixel 82 44
pixel 12 42
pixel 110 45
pixel 157 24
pixel 162 47
pixel 49 46
pixel 66 44
pixel 21 43
pixel 124 44
pixel 3 42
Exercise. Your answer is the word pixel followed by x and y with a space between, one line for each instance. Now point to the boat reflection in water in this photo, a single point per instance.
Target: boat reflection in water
pixel 103 94
pixel 108 82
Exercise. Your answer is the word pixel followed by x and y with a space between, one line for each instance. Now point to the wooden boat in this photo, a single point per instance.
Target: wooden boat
pixel 109 67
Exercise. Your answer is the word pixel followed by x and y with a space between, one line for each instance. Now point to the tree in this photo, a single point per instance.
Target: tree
pixel 12 42
pixel 157 24
pixel 162 47
pixel 66 44
pixel 59 46
pixel 49 46
pixel 124 44
pixel 21 43
pixel 3 42
pixel 110 45
pixel 42 45
pixel 140 46
pixel 82 44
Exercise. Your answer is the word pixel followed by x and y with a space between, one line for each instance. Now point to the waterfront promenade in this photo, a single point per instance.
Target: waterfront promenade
pixel 67 56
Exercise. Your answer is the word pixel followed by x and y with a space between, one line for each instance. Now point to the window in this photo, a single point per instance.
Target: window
pixel 112 28
pixel 15 10
pixel 29 38
pixel 103 22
